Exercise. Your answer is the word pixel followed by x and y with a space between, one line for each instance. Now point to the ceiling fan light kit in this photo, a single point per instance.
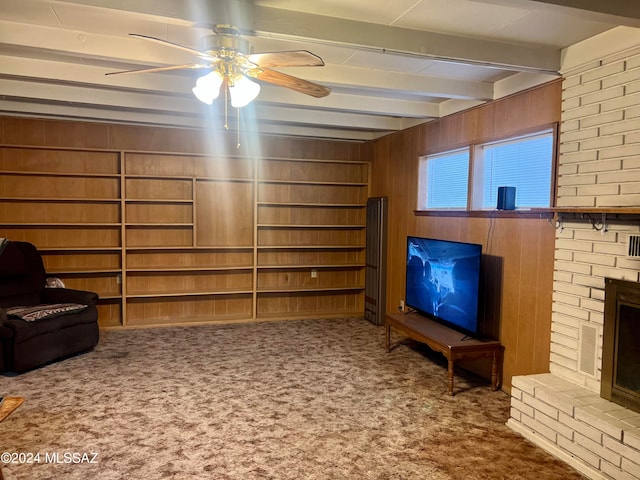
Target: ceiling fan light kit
pixel 230 63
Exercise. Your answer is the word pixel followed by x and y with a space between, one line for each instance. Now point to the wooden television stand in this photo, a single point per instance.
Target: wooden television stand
pixel 449 342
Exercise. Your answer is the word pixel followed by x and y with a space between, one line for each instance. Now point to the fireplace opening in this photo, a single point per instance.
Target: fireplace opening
pixel 620 381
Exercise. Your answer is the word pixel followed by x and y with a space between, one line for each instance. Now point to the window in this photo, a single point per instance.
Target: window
pixel 525 162
pixel 444 180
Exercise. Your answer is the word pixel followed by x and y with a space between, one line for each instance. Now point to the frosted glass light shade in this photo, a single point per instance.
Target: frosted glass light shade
pixel 207 87
pixel 243 92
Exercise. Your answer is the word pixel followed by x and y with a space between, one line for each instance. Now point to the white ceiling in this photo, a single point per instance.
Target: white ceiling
pixel 390 64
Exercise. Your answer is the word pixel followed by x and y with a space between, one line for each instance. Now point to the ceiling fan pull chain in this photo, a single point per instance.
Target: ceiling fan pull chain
pixel 238 144
pixel 226 107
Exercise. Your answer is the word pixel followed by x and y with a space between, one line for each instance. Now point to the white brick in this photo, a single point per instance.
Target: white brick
pixel 618 201
pixel 631 467
pixel 602 142
pixel 624 151
pixel 522 407
pixel 631 138
pixel 541 406
pixel 574 157
pixel 562 276
pixel 602 95
pixel 632 62
pixel 594 236
pixel 576 201
pixel 611 249
pixel 620 176
pixel 581 427
pixel 564 341
pixel 571 289
pixel 558 399
pixel 580 112
pixel 624 450
pixel 620 103
pixel 604 260
pixel 580 452
pixel 617 273
pixel 582 89
pixel 621 79
pixel 565 324
pixel 587 280
pixel 620 127
pixel 569 126
pixel 570 103
pixel 600 166
pixel 568 169
pixel 591 304
pixel 632 87
pixel 569 180
pixel 602 119
pixel 515 414
pixel 563 298
pixel 582 134
pixel 565 255
pixel 573 267
pixel 632 112
pixel 632 438
pixel 564 352
pixel 598 419
pixel 570 82
pixel 585 67
pixel 555 426
pixel 574 245
pixel 615 472
pixel 524 384
pixel 602 72
pixel 571 311
pixel 597 449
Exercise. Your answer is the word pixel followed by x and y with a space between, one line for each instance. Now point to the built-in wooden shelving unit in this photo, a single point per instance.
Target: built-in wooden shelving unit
pixel 169 238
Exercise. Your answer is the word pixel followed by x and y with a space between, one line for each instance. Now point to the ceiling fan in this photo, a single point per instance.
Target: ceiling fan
pixel 229 65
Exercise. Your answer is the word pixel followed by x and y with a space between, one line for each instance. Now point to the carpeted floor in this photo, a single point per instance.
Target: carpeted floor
pixel 303 400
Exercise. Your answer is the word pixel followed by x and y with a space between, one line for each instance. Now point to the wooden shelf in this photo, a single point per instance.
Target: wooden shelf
pixel 310 289
pixel 313 205
pixel 310 247
pixel 60 174
pixel 135 270
pixel 59 224
pixel 159 200
pixel 298 225
pixel 298 267
pixel 310 182
pixel 60 199
pixel 187 293
pixel 232 224
pixel 80 271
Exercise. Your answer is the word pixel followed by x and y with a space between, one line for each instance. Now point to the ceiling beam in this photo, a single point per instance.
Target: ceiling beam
pixel 288 24
pixel 36 70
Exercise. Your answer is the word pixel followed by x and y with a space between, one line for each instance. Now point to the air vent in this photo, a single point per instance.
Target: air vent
pixel 633 246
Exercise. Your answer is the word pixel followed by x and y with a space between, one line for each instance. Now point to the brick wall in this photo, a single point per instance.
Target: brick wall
pixel 599 166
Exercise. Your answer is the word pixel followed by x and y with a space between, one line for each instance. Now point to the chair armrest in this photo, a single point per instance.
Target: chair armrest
pixel 68 295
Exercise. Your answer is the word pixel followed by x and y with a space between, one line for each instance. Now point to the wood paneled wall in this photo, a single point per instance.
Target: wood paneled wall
pixel 518 252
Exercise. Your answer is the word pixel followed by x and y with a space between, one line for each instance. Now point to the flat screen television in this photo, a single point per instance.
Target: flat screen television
pixel 443 281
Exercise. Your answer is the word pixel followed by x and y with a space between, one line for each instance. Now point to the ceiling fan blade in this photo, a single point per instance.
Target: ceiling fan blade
pixel 192 51
pixel 161 69
pixel 294 83
pixel 292 58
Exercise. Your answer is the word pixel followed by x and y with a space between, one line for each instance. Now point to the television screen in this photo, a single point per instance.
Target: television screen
pixel 443 281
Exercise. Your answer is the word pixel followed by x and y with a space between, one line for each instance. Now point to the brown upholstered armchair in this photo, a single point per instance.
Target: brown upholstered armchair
pixel 39 325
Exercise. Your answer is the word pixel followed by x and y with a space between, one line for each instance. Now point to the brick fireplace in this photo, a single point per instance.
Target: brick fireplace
pixel 599 191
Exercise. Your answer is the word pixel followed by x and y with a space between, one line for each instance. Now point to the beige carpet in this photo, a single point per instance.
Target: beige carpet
pixel 303 400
